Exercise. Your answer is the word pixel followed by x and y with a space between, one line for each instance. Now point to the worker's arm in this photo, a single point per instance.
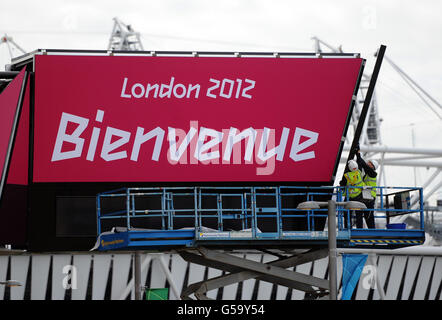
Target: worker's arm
pixel 362 164
pixel 343 182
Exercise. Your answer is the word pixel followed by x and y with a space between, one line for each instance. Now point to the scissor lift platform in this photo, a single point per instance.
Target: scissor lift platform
pixel 208 240
pixel 248 214
pixel 167 239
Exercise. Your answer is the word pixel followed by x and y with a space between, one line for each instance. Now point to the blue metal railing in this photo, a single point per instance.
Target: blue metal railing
pixel 276 204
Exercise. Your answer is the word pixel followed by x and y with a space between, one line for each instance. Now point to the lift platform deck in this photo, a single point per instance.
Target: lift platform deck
pixel 167 218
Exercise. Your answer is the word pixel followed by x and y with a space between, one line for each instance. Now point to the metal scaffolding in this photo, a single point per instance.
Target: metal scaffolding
pixel 14 49
pixel 124 37
pixel 12 45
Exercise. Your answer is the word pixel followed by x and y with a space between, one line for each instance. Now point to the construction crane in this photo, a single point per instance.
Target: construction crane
pixel 13 47
pixel 124 37
pixel 11 44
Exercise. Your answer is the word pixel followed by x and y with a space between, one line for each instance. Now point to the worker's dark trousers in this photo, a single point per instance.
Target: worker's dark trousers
pixel 351 213
pixel 367 214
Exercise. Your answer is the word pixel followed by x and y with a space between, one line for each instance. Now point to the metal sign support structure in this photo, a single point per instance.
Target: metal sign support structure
pixel 241 269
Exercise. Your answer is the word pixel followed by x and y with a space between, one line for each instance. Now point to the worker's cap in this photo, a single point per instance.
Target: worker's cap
pixel 352 165
pixel 374 163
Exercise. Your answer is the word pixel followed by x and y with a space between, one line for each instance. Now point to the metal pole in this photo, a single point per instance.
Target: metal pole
pixel 127 209
pixel 420 151
pixel 169 277
pixel 131 284
pixel 333 274
pixel 411 163
pixel 413 143
pixel 138 287
pixel 9 46
pixel 367 101
pixel 8 74
pixel 382 175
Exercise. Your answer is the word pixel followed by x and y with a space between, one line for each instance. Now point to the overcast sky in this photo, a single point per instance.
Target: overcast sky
pixel 411 30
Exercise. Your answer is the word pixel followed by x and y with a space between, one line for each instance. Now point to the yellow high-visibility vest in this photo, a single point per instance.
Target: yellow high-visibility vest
pixel 371 182
pixel 354 179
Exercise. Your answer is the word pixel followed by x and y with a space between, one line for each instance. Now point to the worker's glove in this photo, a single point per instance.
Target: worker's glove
pixel 356 149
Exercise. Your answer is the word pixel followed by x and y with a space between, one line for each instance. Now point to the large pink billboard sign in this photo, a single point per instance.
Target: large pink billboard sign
pixel 190 119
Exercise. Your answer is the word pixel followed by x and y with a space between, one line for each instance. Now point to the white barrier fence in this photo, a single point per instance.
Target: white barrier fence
pixel 411 273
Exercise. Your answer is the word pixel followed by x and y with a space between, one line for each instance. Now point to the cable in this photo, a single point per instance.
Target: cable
pixel 402 97
pixel 166 36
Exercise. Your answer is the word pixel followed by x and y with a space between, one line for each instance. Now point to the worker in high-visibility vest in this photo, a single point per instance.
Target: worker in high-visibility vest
pixel 352 178
pixel 370 181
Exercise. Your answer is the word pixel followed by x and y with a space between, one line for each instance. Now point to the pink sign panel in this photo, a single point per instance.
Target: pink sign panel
pixel 190 119
pixel 9 111
pixel 18 168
